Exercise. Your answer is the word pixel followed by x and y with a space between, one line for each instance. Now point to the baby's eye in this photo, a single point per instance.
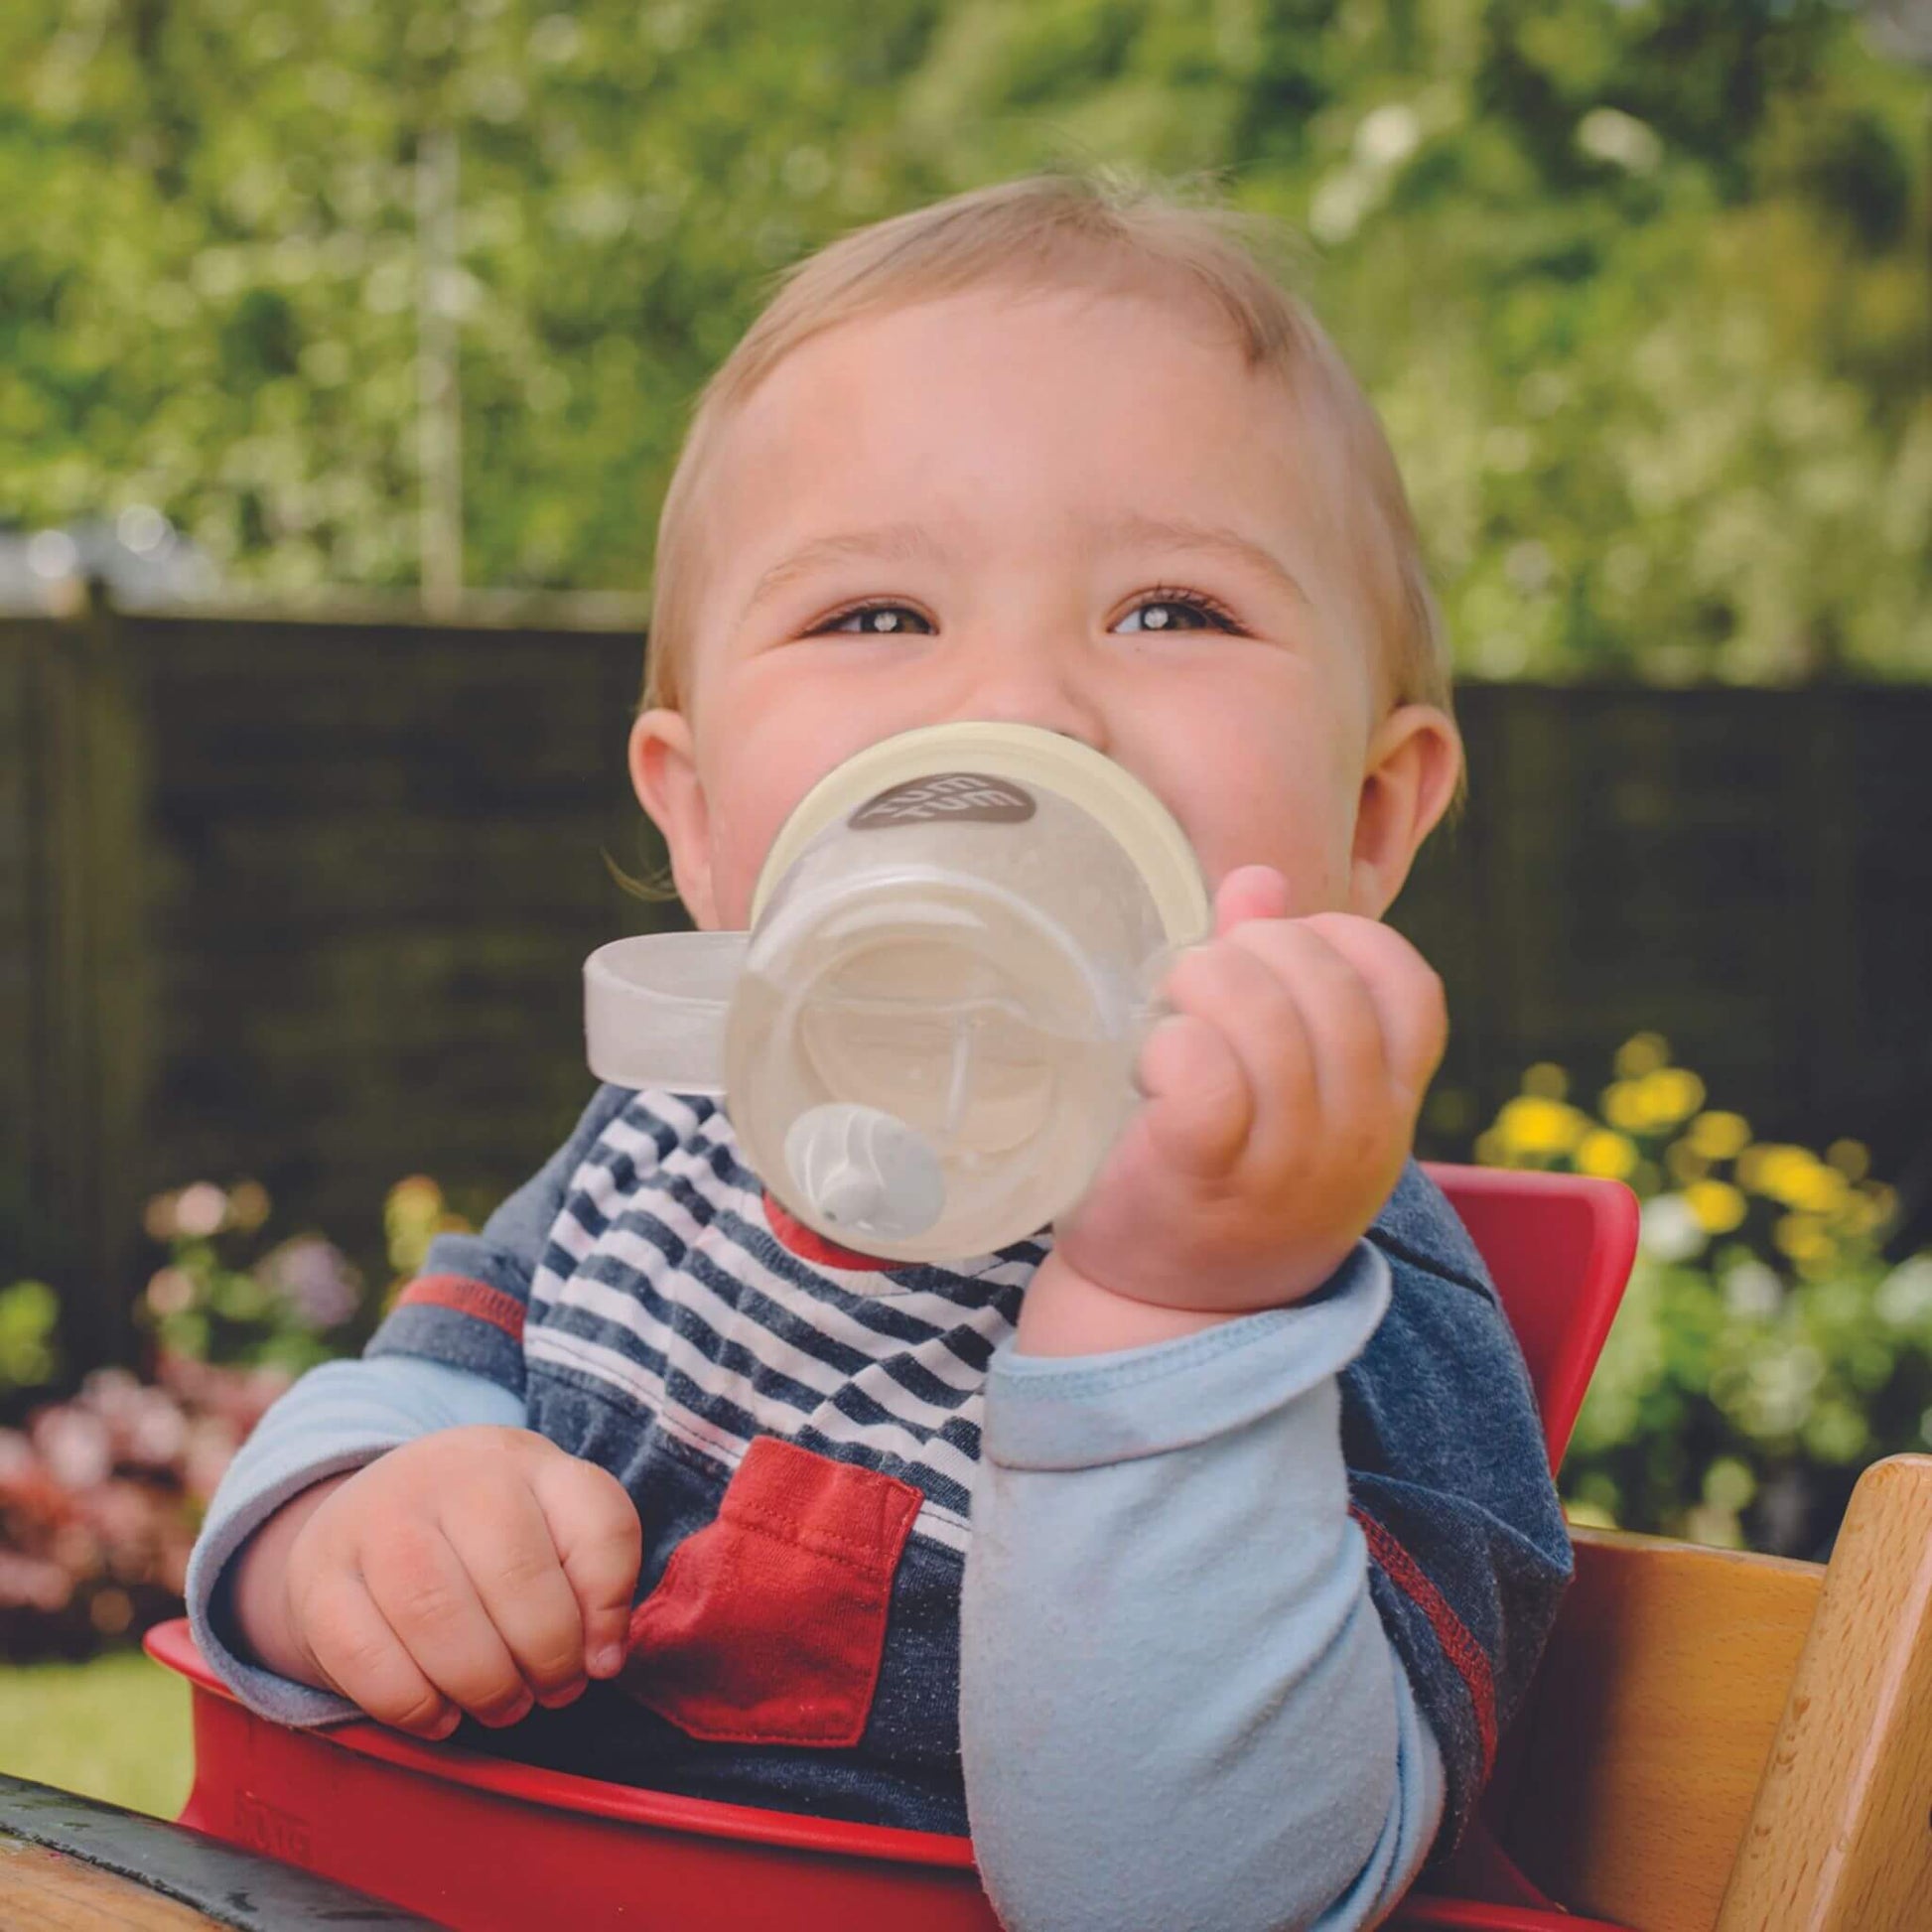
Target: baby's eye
pixel 876 621
pixel 1176 610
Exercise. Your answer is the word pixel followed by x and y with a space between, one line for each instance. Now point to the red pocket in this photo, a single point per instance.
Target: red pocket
pixel 769 1623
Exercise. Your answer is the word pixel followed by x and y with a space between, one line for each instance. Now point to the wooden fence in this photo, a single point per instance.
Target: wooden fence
pixel 307 900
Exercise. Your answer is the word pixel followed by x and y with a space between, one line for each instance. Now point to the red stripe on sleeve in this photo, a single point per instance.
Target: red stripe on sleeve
pixel 1470 1661
pixel 467 1297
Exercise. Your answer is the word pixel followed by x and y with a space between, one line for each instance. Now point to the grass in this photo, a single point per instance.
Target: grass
pixel 114 1729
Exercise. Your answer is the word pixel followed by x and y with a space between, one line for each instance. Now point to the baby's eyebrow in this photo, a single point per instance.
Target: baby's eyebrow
pixel 1138 531
pixel 891 543
pixel 899 543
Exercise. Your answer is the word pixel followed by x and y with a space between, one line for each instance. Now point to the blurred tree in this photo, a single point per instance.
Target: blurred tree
pixel 1641 288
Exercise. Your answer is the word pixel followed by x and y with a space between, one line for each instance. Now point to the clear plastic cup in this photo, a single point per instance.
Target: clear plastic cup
pixel 927 1042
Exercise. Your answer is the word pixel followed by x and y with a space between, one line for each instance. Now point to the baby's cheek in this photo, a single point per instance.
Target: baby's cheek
pixel 742 834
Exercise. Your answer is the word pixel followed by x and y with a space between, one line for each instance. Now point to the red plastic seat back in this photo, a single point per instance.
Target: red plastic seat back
pixel 1558 1246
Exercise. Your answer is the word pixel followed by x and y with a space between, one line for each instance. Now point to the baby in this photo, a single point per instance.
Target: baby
pixel 1191 1552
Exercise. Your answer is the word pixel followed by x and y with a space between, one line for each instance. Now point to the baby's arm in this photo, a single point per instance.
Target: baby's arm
pixel 1178 1706
pixel 449 1356
pixel 337 1418
pixel 1187 1696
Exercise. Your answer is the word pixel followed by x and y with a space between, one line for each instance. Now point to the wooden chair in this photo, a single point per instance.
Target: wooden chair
pixel 1740 1742
pixel 1714 1740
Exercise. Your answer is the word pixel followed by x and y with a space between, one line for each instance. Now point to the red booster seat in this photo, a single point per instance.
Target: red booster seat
pixel 1583 1798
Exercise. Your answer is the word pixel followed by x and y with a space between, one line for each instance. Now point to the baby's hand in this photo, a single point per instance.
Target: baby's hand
pixel 476 1569
pixel 1281 1095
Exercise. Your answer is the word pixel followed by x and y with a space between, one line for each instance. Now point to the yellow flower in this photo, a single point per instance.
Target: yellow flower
pixel 1819 1190
pixel 1653 1101
pixel 1641 1054
pixel 1881 1203
pixel 1801 1236
pixel 1671 1093
pixel 1532 1126
pixel 414 1198
pixel 1719 1136
pixel 1766 1167
pixel 1794 1176
pixel 1820 1265
pixel 1719 1206
pixel 1853 1159
pixel 1611 1157
pixel 411 1213
pixel 1686 1164
pixel 1546 1081
pixel 1623 1107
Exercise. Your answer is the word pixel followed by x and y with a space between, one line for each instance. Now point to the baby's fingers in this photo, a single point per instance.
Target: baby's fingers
pixel 1201 1104
pixel 425 1593
pixel 1408 994
pixel 600 1544
pixel 363 1660
pixel 503 1541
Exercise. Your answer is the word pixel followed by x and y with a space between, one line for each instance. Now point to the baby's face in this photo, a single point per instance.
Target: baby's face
pixel 1071 510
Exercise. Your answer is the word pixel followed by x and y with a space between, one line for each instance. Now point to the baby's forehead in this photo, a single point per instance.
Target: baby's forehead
pixel 969 376
pixel 997 422
pixel 991 321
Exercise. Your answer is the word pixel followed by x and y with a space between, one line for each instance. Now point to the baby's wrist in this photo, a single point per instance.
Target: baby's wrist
pixel 258 1607
pixel 1067 1314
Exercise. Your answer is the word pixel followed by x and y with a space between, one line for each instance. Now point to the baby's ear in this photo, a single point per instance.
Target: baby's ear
pixel 665 776
pixel 1413 767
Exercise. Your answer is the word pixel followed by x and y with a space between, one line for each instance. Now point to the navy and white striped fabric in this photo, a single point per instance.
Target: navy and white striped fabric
pixel 662 1287
pixel 634 1295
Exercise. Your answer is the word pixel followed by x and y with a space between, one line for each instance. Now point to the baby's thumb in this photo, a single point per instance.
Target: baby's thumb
pixel 599 1545
pixel 1249 893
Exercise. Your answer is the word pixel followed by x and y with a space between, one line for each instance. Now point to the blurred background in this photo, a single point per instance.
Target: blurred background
pixel 347 352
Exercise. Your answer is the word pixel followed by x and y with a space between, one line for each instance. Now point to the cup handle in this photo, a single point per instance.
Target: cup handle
pixel 654 1009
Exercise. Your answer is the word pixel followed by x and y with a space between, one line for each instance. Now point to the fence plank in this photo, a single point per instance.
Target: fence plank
pixel 16 952
pixel 79 760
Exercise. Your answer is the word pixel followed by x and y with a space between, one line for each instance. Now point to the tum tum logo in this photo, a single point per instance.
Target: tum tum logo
pixel 958 795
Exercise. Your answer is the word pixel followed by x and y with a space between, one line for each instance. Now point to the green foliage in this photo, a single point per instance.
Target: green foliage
pixel 1640 289
pixel 30 1353
pixel 1731 1407
pixel 1767 1350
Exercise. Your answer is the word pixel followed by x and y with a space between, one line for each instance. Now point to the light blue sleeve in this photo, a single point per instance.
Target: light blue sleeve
pixel 336 1416
pixel 1178 1706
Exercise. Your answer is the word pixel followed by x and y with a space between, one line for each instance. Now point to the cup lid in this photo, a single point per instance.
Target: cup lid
pixel 1025 755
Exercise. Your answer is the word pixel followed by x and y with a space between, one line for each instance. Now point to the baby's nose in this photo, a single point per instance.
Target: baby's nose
pixel 1084 731
pixel 1037 696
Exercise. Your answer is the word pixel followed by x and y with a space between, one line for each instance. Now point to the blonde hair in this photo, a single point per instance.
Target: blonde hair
pixel 1097 230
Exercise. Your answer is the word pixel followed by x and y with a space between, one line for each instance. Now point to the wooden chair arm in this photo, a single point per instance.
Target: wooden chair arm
pixel 1640 1783
pixel 1625 1784
pixel 1840 1839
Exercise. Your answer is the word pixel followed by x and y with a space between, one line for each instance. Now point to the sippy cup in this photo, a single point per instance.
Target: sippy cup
pixel 927 1041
